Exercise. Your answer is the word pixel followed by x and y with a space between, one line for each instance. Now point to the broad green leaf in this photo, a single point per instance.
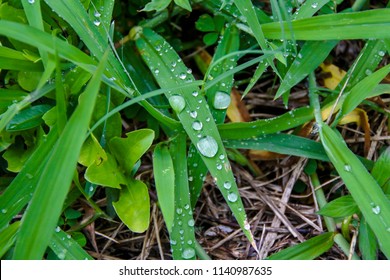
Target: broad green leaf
pixel 8 237
pixel 127 151
pixel 381 170
pixel 340 207
pixel 46 203
pixel 66 248
pixel 205 23
pixel 28 80
pixel 164 177
pixel 185 4
pixel 156 5
pixel 28 118
pixel 308 250
pixel 17 155
pixel 133 206
pixel 373 203
pixel 92 152
pixel 106 173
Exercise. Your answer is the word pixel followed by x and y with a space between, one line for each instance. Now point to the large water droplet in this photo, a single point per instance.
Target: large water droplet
pixel 188 253
pixel 381 53
pixel 347 168
pixel 227 185
pixel 193 114
pixel 179 211
pixel 207 146
pixel 182 76
pixel 219 166
pixel 232 197
pixel 191 222
pixel 221 100
pixel 376 210
pixel 197 125
pixel 177 103
pixel 97 22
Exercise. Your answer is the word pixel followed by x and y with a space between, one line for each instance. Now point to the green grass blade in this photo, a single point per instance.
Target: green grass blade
pixel 66 248
pixel 364 189
pixel 367 242
pixel 308 250
pixel 194 116
pixel 183 234
pixel 372 24
pixel 45 207
pixel 309 8
pixel 283 144
pixel 363 89
pixel 164 177
pixel 14 198
pixel 381 170
pixel 34 17
pixel 311 55
pixel 8 237
pixel 286 121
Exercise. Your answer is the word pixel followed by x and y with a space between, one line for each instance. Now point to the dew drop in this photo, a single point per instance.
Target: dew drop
pixel 227 185
pixel 177 103
pixel 182 76
pixel 189 71
pixel 57 229
pixel 188 253
pixel 96 22
pixel 4 211
pixel 97 14
pixel 197 125
pixel 173 242
pixel 221 157
pixel 195 94
pixel 219 166
pixel 232 197
pixel 207 146
pixel 314 5
pixel 247 226
pixel 221 100
pixel 368 72
pixel 193 114
pixel 347 168
pixel 31 1
pixel 376 210
pixel 156 71
pixel 191 222
pixel 381 53
pixel 29 176
pixel 179 211
pixel 187 206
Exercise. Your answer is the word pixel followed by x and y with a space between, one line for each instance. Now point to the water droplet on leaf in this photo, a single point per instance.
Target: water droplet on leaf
pixel 207 146
pixel 221 100
pixel 188 253
pixel 232 197
pixel 177 103
pixel 197 125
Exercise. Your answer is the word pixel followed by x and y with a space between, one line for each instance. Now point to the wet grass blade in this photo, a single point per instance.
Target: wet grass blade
pixel 364 189
pixel 164 177
pixel 283 144
pixel 372 24
pixel 197 120
pixel 308 250
pixel 8 237
pixel 286 121
pixel 66 248
pixel 41 216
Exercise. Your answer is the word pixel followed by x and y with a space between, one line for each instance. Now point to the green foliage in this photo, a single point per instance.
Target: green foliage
pixel 82 104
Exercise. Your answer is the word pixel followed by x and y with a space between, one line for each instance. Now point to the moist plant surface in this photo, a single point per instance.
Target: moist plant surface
pixel 194 129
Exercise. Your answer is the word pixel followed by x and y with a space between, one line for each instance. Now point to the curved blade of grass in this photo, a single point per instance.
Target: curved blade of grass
pixel 195 117
pixel 364 189
pixel 34 17
pixel 164 177
pixel 381 170
pixel 367 242
pixel 340 207
pixel 8 237
pixel 308 250
pixel 45 207
pixel 372 24
pixel 309 8
pixel 363 89
pixel 229 43
pixel 281 143
pixel 311 55
pixel 182 234
pixel 66 248
pixel 14 60
pixel 286 121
